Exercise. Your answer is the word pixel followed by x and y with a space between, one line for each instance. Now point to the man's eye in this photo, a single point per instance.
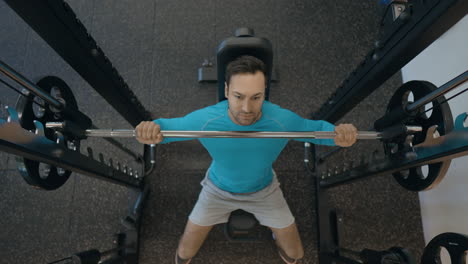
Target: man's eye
pixel 237 96
pixel 256 98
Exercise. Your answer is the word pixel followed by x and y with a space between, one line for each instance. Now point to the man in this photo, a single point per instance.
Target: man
pixel 241 174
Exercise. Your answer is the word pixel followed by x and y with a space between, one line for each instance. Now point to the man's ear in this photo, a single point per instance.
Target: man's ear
pixel 226 90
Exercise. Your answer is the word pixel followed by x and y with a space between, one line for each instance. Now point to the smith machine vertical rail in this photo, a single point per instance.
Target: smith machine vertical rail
pixel 50 155
pixel 409 29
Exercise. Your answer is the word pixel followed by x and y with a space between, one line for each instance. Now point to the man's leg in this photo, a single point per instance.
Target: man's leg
pixel 192 239
pixel 289 241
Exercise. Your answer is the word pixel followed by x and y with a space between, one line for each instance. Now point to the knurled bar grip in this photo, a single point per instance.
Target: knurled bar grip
pixel 229 134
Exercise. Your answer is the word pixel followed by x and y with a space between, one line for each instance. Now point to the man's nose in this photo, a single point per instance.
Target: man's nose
pixel 246 107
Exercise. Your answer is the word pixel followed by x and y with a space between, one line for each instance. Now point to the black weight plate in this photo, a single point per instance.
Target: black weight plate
pixel 414 178
pixel 456 245
pixel 35 173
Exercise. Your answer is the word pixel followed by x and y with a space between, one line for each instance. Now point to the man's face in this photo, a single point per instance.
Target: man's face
pixel 245 94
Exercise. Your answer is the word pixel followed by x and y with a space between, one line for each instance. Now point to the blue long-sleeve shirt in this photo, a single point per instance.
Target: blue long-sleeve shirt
pixel 243 165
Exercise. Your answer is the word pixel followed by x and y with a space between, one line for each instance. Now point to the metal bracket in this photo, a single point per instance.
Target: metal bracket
pixel 432 150
pixel 18 141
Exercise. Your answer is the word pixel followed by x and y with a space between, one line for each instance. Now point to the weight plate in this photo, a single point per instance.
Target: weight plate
pixel 35 173
pixel 456 245
pixel 420 178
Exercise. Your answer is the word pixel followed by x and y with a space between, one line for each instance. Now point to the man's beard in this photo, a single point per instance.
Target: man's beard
pixel 243 121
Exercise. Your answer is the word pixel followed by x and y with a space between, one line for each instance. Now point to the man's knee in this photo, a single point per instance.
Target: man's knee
pixel 289 241
pixel 192 239
pixel 295 253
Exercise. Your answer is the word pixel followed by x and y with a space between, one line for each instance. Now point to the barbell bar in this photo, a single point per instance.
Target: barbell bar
pixel 126 133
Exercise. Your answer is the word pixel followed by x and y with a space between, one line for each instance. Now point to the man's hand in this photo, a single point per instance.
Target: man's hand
pixel 148 132
pixel 346 135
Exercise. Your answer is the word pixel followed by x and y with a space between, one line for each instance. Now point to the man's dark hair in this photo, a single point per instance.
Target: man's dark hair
pixel 245 64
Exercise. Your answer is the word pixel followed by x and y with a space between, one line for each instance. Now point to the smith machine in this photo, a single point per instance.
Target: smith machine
pixel 408 27
pixel 411 139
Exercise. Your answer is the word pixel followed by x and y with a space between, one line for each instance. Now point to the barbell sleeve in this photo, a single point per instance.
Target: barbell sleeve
pixel 229 134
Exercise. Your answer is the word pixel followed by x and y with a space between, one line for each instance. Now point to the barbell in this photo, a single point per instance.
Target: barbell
pixel 229 134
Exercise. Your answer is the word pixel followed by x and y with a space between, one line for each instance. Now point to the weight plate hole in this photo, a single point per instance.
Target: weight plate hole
pixel 444 256
pixel 61 171
pixel 404 174
pixel 424 171
pixel 71 145
pixel 410 97
pixel 38 111
pixel 394 149
pixel 428 114
pixel 55 92
pixel 44 170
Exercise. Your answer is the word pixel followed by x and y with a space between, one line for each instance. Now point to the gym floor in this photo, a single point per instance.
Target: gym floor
pixel 157 46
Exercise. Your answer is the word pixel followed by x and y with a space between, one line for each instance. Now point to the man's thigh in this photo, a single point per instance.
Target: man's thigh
pixel 272 210
pixel 211 209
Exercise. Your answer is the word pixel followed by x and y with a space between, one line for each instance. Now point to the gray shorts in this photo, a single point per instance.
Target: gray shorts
pixel 267 205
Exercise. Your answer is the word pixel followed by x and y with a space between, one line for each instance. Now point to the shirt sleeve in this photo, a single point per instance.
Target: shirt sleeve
pixel 297 123
pixel 318 125
pixel 192 121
